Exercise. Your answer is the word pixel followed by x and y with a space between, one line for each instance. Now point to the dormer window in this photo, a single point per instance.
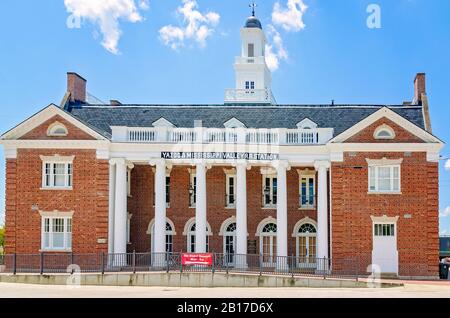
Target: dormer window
pixel 384 132
pixel 306 124
pixel 57 130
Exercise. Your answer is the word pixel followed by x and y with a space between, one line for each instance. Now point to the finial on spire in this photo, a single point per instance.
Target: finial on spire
pixel 253 5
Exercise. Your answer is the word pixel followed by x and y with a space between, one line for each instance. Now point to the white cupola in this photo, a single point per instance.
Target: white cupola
pixel 253 77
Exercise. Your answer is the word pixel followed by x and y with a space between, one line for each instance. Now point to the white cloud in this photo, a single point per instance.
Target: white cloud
pixel 447 165
pixel 275 52
pixel 197 26
pixel 290 18
pixel 445 212
pixel 106 15
pixel 443 232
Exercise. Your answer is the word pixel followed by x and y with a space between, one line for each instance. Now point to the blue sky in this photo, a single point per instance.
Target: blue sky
pixel 172 51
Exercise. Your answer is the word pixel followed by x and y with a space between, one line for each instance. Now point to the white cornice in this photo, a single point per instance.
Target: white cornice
pixel 385 112
pixel 41 117
pixel 384 162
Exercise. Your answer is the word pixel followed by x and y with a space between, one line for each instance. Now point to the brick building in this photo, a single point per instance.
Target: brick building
pixel 352 183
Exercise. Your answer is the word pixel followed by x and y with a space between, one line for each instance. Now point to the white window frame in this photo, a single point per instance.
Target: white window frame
pixel 228 188
pixel 52 130
pixel 271 195
pixel 307 176
pixel 128 182
pixel 376 180
pixel 129 228
pixel 68 173
pixel 193 183
pixel 67 225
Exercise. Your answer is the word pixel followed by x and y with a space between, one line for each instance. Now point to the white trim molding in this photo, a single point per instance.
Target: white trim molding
pixel 384 219
pixel 300 223
pixel 51 130
pixel 152 222
pixel 189 224
pixel 382 128
pixel 385 112
pixel 225 224
pixel 56 214
pixel 384 162
pixel 267 220
pixel 41 117
pixel 57 158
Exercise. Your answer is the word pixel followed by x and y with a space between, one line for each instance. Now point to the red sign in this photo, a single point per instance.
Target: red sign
pixel 196 259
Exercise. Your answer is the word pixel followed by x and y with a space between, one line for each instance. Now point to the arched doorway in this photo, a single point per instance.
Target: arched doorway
pixel 267 232
pixel 189 231
pixel 306 243
pixel 170 232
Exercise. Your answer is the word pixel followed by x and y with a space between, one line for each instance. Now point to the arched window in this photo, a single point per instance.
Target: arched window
pixel 189 231
pixel 384 132
pixel 305 233
pixel 57 130
pixel 170 232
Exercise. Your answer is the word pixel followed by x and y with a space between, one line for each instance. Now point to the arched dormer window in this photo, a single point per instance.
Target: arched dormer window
pixel 384 132
pixel 57 130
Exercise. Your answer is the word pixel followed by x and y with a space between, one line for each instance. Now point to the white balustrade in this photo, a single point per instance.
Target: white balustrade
pixel 318 136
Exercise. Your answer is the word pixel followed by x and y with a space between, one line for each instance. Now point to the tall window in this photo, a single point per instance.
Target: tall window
pixel 191 239
pixel 307 191
pixel 384 178
pixel 169 237
pixel 250 85
pixel 57 175
pixel 56 233
pixel 167 191
pixel 251 50
pixel 192 190
pixel 268 244
pixel 269 191
pixel 231 191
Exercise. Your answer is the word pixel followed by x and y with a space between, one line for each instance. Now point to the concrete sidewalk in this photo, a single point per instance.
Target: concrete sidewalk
pixel 408 291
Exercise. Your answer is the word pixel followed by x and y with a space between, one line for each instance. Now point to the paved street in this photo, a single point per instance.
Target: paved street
pixel 436 289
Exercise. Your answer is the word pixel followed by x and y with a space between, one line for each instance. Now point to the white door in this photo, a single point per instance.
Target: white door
pixel 384 253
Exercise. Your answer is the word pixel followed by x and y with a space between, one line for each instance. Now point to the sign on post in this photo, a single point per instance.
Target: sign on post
pixel 197 259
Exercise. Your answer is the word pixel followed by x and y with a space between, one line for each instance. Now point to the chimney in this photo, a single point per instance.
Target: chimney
pixel 115 102
pixel 76 86
pixel 419 88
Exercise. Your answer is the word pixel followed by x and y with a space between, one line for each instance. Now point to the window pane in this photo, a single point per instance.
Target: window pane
pixel 251 50
pixel 274 200
pixel 58 240
pixel 59 174
pixel 372 178
pixel 69 240
pixel 47 174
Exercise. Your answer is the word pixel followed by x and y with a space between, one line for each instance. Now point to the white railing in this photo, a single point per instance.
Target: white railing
pixel 249 96
pixel 280 136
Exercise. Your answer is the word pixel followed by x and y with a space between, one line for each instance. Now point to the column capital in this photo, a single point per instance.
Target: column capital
pixel 130 165
pixel 322 164
pixel 117 161
pixel 281 164
pixel 242 163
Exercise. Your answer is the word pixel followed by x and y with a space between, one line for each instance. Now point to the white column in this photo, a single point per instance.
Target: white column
pixel 160 207
pixel 322 208
pixel 241 208
pixel 112 190
pixel 200 209
pixel 282 232
pixel 120 207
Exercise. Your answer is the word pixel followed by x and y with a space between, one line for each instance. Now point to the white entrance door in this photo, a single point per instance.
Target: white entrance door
pixel 384 253
pixel 268 244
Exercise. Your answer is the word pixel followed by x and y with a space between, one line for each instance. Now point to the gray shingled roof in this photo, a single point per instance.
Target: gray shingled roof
pixel 339 117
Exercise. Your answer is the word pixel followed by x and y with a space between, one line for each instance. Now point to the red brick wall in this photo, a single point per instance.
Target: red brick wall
pixel 88 200
pixel 140 205
pixel 352 207
pixel 40 132
pixel 401 135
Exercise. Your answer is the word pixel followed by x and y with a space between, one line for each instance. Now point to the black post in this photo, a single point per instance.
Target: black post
pixel 292 265
pixel 166 257
pixel 134 262
pixel 260 264
pixel 102 262
pixel 15 264
pixel 213 262
pixel 41 267
pixel 325 268
pixel 181 262
pixel 226 261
